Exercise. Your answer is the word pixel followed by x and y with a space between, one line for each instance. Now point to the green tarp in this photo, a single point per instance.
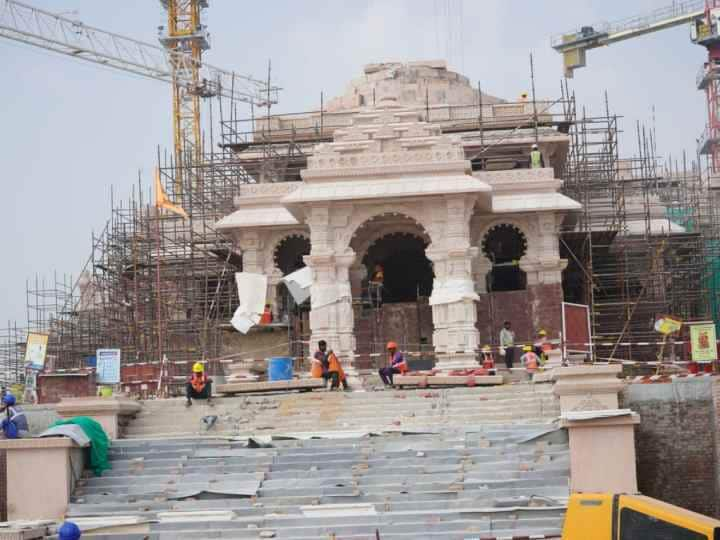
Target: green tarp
pixel 99 442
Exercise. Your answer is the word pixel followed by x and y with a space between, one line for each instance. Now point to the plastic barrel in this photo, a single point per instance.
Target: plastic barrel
pixel 280 368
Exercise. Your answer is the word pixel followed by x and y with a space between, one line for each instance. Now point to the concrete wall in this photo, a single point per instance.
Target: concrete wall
pixel 676 441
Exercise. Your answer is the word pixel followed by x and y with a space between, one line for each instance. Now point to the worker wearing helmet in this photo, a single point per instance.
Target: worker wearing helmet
pixel 488 361
pixel 396 362
pixel 69 531
pixel 199 386
pixel 536 158
pixel 529 359
pixel 15 424
pixel 541 345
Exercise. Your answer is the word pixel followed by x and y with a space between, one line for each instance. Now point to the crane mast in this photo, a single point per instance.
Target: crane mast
pixel 178 62
pixel 186 39
pixel 704 19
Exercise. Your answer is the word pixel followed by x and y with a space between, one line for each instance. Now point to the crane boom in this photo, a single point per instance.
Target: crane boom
pixel 574 44
pixel 40 28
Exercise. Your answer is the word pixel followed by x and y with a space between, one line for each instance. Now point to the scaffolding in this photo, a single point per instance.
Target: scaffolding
pixel 161 287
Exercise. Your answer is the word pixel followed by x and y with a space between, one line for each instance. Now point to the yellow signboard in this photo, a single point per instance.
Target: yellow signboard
pixel 36 350
pixel 668 325
pixel 703 342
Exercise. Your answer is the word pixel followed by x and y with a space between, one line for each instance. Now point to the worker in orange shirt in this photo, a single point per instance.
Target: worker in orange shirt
pixel 335 372
pixel 529 359
pixel 267 316
pixel 199 386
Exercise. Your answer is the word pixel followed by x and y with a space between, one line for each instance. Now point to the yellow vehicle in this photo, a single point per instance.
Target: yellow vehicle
pixel 604 516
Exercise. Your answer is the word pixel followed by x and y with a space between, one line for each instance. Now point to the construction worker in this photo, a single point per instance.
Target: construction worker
pixel 529 359
pixel 199 386
pixel 507 344
pixel 320 363
pixel 69 531
pixel 536 158
pixel 541 345
pixel 375 285
pixel 335 372
pixel 488 361
pixel 15 424
pixel 397 364
pixel 267 316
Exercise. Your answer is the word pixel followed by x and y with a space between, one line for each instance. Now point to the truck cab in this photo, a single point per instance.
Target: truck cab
pixel 607 516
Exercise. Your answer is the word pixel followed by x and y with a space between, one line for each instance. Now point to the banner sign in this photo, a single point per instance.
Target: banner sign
pixel 667 325
pixel 703 347
pixel 108 366
pixel 36 351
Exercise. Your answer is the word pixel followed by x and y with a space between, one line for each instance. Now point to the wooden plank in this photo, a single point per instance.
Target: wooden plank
pixel 269 386
pixel 446 380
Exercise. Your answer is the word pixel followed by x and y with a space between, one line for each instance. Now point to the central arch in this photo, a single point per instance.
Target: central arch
pixel 397 243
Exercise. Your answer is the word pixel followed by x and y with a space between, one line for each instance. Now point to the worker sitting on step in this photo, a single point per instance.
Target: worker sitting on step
pixel 320 362
pixel 335 372
pixel 15 424
pixel 199 386
pixel 529 359
pixel 397 364
pixel 488 361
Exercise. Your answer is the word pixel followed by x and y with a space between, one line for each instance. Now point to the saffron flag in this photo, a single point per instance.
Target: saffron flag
pixel 161 198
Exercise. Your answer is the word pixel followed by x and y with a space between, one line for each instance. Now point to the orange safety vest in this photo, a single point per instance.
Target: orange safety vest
pixel 531 361
pixel 316 369
pixel 198 382
pixel 334 365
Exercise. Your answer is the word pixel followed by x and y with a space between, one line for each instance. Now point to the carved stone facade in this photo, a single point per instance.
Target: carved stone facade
pixel 391 173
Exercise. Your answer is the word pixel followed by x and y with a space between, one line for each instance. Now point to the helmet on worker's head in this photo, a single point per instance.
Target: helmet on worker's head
pixel 534 146
pixel 198 367
pixel 69 531
pixel 9 400
pixel 391 345
pixel 486 348
pixel 542 332
pixel 527 348
pixel 524 95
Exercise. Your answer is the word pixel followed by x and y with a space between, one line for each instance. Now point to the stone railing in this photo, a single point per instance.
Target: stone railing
pixel 520 177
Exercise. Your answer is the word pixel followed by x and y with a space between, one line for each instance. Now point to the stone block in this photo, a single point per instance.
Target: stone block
pixel 110 412
pixel 588 388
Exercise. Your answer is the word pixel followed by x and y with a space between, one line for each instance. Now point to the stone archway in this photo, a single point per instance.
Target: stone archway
pixel 398 243
pixel 288 256
pixel 504 245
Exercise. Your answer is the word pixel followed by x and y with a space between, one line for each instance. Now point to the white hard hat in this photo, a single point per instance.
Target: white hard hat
pixel 535 146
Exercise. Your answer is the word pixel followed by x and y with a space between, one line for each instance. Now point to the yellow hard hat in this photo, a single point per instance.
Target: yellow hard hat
pixel 486 348
pixel 198 367
pixel 527 348
pixel 524 95
pixel 542 332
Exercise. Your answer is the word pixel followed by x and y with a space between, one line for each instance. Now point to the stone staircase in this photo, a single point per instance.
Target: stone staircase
pixel 349 411
pixel 485 482
pixel 455 463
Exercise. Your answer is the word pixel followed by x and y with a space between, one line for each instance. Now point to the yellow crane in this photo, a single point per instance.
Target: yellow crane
pixel 178 62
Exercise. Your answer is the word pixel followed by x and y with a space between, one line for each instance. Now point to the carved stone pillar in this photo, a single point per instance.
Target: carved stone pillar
pixel 251 244
pixel 453 298
pixel 331 314
pixel 481 268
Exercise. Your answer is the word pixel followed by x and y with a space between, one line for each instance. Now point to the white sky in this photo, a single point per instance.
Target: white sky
pixel 70 130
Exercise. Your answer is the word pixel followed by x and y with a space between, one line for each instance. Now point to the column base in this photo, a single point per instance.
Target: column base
pixel 451 362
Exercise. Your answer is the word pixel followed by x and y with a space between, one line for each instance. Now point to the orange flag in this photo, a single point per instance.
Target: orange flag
pixel 161 198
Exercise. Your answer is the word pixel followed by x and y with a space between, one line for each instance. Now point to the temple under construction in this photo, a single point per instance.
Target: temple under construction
pixel 643 241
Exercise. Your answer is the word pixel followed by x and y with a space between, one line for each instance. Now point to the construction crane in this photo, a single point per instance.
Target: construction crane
pixel 178 62
pixel 704 19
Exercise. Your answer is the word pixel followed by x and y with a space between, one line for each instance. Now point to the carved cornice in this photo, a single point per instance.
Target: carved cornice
pixel 264 193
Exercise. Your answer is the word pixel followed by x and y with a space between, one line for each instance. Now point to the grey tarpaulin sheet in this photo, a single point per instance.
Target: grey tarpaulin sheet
pixel 71 431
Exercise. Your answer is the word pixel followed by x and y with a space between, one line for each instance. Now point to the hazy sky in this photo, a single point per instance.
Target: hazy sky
pixel 70 130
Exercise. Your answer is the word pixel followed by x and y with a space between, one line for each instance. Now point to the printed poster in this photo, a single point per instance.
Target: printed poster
pixel 36 350
pixel 108 366
pixel 703 346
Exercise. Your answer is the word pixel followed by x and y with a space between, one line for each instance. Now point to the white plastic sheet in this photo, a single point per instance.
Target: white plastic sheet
pixel 453 290
pixel 252 293
pixel 298 283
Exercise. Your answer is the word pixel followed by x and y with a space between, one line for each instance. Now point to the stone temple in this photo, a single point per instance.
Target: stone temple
pixel 450 208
